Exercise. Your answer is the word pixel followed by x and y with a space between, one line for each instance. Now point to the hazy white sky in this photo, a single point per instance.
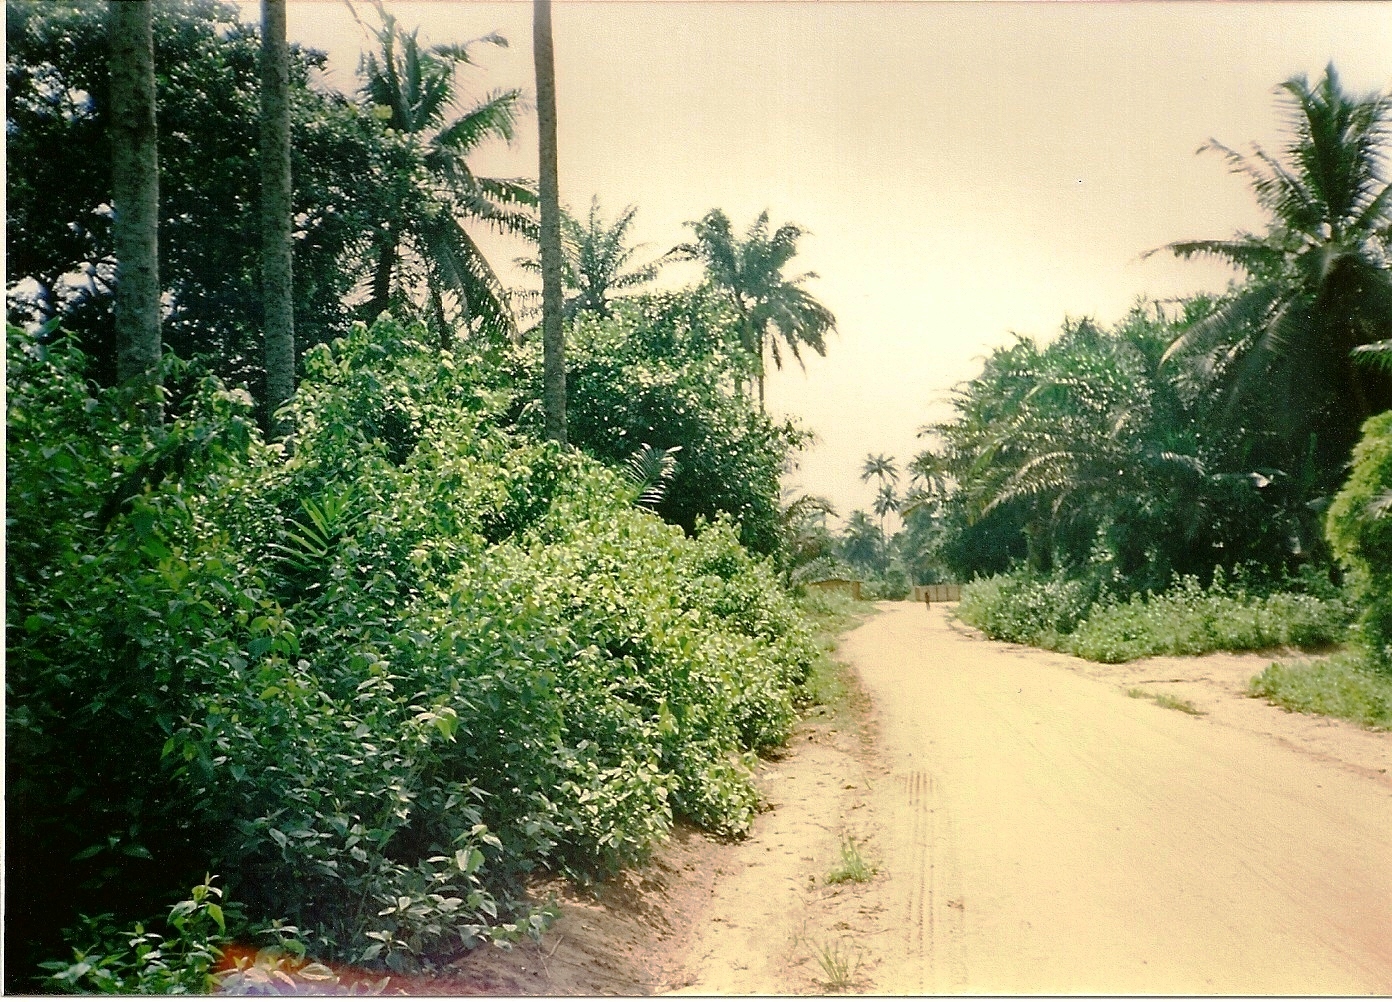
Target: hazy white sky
pixel 966 169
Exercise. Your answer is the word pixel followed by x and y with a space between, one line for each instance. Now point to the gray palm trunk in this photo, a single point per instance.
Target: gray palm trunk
pixel 135 199
pixel 277 258
pixel 553 336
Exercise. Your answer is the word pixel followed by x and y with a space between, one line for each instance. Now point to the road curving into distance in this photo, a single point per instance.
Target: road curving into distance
pixel 1046 834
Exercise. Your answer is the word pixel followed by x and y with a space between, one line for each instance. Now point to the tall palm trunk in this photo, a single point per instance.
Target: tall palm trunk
pixel 135 198
pixel 381 278
pixel 277 257
pixel 553 336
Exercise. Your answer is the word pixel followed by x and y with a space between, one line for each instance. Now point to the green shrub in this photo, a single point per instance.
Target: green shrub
pixel 1344 685
pixel 1077 616
pixel 1189 619
pixel 139 961
pixel 662 370
pixel 376 685
pixel 1359 529
pixel 1027 610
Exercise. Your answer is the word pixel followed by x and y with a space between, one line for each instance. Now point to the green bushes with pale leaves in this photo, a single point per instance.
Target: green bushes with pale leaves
pixel 375 685
pixel 1079 615
pixel 1359 527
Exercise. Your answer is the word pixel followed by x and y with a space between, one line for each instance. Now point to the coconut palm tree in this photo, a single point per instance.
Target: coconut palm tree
pixel 886 501
pixel 777 313
pixel 596 261
pixel 1318 281
pixel 881 467
pixel 411 87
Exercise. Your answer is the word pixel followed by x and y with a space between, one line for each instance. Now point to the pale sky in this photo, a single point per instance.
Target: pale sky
pixel 965 170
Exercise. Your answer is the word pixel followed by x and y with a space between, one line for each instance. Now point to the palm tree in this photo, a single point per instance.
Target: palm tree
pixel 774 310
pixel 862 541
pixel 135 197
pixel 596 261
pixel 1318 284
pixel 411 87
pixel 278 292
pixel 886 501
pixel 931 482
pixel 806 541
pixel 882 467
pixel 553 335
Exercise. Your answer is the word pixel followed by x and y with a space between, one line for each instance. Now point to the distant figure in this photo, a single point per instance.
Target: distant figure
pixel 927 598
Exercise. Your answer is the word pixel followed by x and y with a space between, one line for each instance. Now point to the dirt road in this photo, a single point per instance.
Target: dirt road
pixel 1041 832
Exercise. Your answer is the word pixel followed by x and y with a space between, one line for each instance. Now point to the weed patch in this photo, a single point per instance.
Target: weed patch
pixel 1345 686
pixel 853 868
pixel 839 965
pixel 1075 617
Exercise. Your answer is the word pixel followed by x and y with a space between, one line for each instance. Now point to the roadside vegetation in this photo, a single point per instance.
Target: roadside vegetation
pixel 320 652
pixel 310 695
pixel 1209 474
pixel 1344 685
pixel 1066 615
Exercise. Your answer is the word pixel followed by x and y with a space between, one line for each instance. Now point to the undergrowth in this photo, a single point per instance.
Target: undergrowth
pixel 1344 685
pixel 1078 617
pixel 829 615
pixel 376 685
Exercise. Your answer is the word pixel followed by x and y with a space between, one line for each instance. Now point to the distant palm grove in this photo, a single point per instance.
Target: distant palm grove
pixel 350 589
pixel 1236 441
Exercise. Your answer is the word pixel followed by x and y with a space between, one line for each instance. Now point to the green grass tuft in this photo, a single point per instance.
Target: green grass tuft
pixel 853 868
pixel 1340 686
pixel 1167 701
pixel 837 964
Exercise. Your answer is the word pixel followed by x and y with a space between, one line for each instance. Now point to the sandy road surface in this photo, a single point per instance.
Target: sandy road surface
pixel 1044 833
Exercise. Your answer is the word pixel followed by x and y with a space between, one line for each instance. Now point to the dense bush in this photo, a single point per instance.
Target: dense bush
pixel 664 371
pixel 375 685
pixel 1081 616
pixel 1189 619
pixel 1027 609
pixel 1359 527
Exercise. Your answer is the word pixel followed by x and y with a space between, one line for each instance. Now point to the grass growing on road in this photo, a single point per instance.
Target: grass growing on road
pixel 853 868
pixel 1339 686
pixel 838 964
pixel 1167 701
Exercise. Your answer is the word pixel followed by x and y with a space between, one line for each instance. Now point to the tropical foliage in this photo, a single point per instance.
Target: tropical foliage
pixel 596 262
pixel 661 372
pixel 355 689
pixel 1360 532
pixel 58 234
pixel 374 685
pixel 411 88
pixel 1318 283
pixel 776 313
pixel 1122 463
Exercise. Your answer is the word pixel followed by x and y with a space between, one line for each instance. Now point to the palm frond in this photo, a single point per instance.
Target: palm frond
pixel 1377 355
pixel 650 471
pixel 1380 506
pixel 495 117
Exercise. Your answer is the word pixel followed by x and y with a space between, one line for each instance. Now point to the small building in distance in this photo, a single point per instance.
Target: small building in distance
pixel 847 585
